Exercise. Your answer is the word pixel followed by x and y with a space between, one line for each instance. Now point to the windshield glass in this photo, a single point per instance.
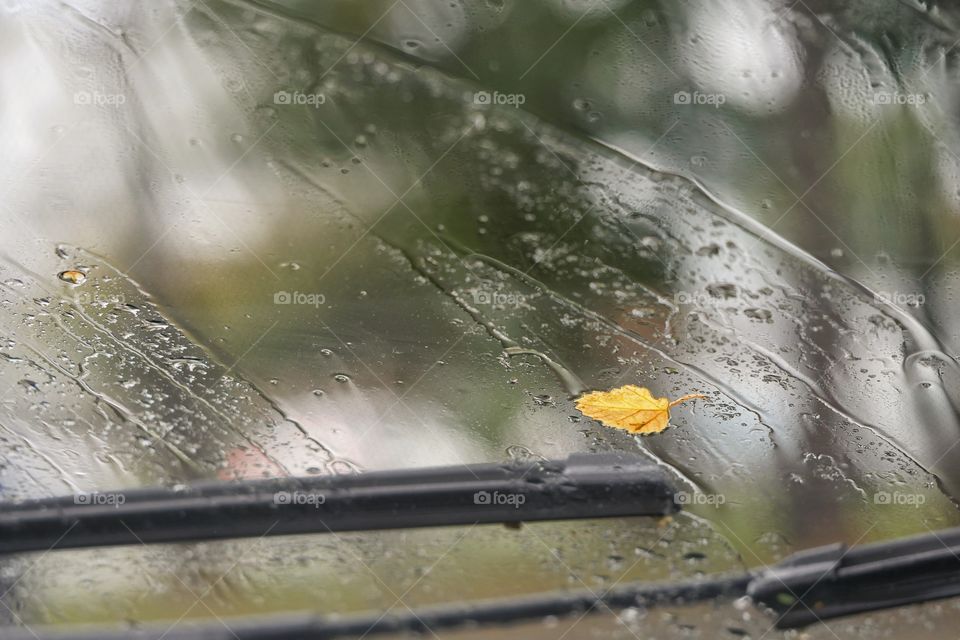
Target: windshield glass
pixel 257 239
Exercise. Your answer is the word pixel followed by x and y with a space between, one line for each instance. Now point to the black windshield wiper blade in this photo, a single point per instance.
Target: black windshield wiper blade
pixel 423 620
pixel 810 586
pixel 583 486
pixel 836 580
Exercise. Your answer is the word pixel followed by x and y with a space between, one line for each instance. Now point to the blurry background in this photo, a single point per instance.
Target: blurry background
pixel 320 238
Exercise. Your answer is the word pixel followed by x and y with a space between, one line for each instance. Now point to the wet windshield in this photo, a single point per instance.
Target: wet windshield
pixel 242 241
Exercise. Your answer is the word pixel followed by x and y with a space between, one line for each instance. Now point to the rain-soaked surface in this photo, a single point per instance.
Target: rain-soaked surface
pixel 240 242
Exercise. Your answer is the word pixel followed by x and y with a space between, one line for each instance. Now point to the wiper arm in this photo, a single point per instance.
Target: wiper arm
pixel 837 580
pixel 583 486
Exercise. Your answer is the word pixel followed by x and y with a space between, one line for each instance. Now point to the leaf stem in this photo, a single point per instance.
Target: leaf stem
pixel 692 396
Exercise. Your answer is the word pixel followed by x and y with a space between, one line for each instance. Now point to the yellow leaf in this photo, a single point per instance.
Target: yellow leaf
pixel 631 408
